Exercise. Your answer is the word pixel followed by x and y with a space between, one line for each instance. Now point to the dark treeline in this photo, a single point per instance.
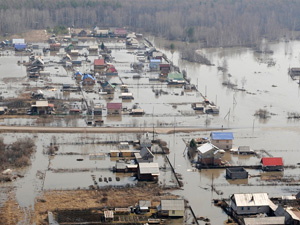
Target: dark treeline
pixel 213 22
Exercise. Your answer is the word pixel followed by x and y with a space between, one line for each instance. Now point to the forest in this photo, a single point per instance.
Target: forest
pixel 210 22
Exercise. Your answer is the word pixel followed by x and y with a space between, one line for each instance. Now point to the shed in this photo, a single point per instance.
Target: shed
pixel 126 95
pixel 246 204
pixel 274 220
pixel 272 164
pixel 172 207
pixel 148 171
pixel 144 205
pixel 222 140
pixel 108 215
pixel 245 150
pixel 236 173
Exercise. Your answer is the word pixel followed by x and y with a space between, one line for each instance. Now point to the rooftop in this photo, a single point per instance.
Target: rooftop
pixel 272 161
pixel 254 199
pixel 172 204
pixel 149 168
pixel 221 136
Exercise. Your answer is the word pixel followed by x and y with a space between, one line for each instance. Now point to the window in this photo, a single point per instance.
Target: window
pixel 248 208
pixel 173 212
pixel 242 208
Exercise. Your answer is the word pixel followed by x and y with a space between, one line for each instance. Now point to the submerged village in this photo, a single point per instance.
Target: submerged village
pixel 123 135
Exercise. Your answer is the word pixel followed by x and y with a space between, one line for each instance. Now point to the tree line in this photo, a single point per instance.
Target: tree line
pixel 211 22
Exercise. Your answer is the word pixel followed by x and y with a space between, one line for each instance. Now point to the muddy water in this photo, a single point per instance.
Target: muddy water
pixel 267 87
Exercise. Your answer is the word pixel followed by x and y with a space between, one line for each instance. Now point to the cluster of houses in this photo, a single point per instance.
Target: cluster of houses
pixel 211 151
pixel 258 208
pixel 144 167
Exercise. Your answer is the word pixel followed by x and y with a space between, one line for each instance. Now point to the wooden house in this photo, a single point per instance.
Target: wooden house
pixel 208 154
pixel 88 79
pixel 164 69
pixel 172 207
pixel 148 171
pixel 108 87
pixel 99 66
pixel 222 140
pixel 41 108
pixel 114 108
pixel 250 204
pixel 272 164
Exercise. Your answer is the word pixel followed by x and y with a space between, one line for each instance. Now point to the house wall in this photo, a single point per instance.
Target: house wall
pixel 113 111
pixel 247 210
pixel 176 213
pixel 272 168
pixel 222 144
pixel 210 161
pixel 236 174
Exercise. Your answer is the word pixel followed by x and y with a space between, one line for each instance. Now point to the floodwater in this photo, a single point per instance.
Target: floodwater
pixel 268 86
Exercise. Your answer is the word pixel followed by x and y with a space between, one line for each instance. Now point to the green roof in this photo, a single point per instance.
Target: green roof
pixel 175 76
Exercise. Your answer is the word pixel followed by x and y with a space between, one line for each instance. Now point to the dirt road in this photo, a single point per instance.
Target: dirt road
pixel 159 130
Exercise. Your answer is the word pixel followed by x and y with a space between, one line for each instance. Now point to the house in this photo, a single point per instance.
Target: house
pixel 274 220
pixel 126 95
pixel 93 49
pixel 164 69
pixel 250 204
pixel 148 171
pixel 245 150
pixel 294 72
pixel 98 110
pixel 20 46
pixel 157 55
pixel 222 140
pixel 74 41
pixel 88 79
pixel 108 87
pixel 111 70
pixel 145 155
pixel 18 41
pixel 175 78
pixel 99 66
pixel 109 216
pixel 236 173
pixel 144 205
pixel 78 76
pixel 172 207
pixel 137 112
pixel 208 154
pixel 154 64
pixel 74 52
pixel 82 33
pixel 114 108
pixel 120 32
pixel 42 107
pixel 55 46
pixel 272 164
pixel 292 216
pixel 101 33
pixel 145 141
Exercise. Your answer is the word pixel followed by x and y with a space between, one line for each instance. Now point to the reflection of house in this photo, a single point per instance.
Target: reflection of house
pixel 88 79
pixel 172 207
pixel 148 171
pixel 246 204
pixel 99 65
pixel 272 164
pixel 145 155
pixel 114 108
pixel 42 107
pixel 222 140
pixel 209 154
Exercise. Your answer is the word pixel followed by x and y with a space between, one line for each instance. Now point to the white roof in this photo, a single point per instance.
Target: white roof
pixel 146 168
pixel 109 214
pixel 206 148
pixel 265 220
pixel 254 199
pixel 173 204
pixel 18 41
pixel 126 94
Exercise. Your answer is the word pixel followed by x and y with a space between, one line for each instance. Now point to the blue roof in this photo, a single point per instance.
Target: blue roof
pixel 88 76
pixel 78 73
pixel 20 46
pixel 155 60
pixel 221 136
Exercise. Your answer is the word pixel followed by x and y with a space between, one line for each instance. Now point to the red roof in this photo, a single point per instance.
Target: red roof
pixel 99 62
pixel 112 105
pixel 272 161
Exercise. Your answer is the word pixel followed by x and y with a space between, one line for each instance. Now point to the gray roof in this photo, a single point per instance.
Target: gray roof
pixel 206 148
pixel 265 220
pixel 145 152
pixel 172 204
pixel 144 203
pixel 149 168
pixel 255 199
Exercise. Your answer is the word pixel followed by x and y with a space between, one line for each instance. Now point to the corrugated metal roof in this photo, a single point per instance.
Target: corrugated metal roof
pixel 149 168
pixel 272 161
pixel 221 136
pixel 255 199
pixel 278 220
pixel 172 204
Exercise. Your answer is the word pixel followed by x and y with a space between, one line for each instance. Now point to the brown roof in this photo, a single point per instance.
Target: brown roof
pixel 112 105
